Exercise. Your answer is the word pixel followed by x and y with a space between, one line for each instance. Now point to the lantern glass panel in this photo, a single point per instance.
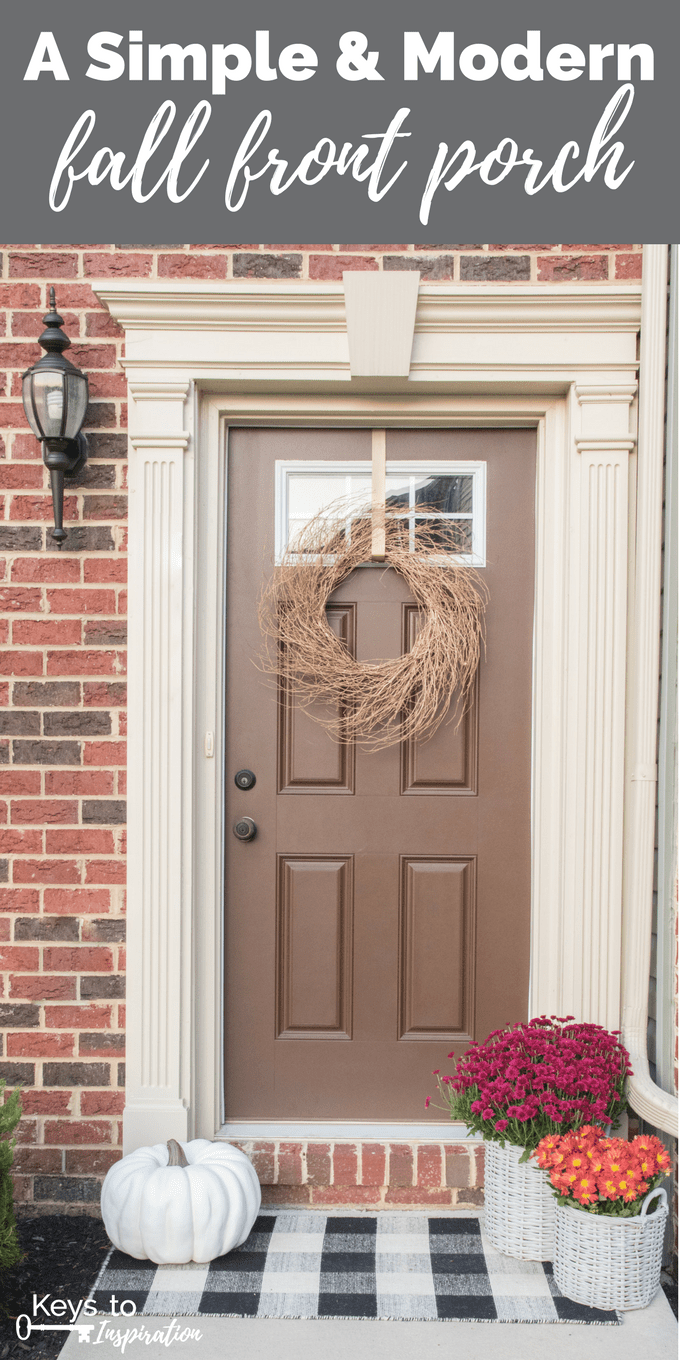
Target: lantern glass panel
pixel 28 405
pixel 48 402
pixel 57 403
pixel 76 404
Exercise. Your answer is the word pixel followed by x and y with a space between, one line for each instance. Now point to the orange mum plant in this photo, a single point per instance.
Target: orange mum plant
pixel 603 1175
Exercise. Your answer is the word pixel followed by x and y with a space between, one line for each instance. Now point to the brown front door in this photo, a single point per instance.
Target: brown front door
pixel 380 917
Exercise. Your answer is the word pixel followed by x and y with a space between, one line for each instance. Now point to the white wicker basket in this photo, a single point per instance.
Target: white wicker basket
pixel 610 1262
pixel 519 1208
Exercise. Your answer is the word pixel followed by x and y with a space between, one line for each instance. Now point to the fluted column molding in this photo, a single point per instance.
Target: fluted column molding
pixel 581 614
pixel 156 1095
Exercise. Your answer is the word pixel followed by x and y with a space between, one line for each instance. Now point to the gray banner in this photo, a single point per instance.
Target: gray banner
pixel 491 153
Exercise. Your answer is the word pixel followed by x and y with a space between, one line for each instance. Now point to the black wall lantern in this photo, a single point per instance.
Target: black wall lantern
pixel 55 397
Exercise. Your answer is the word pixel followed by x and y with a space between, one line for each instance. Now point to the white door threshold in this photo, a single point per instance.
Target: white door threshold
pixel 346 1129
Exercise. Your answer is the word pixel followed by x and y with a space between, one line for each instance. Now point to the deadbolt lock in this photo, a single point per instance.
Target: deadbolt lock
pixel 244 779
pixel 245 829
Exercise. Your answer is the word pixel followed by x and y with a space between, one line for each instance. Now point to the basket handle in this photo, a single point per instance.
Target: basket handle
pixel 652 1195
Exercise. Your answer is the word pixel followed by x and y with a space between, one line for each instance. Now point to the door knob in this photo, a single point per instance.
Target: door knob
pixel 244 829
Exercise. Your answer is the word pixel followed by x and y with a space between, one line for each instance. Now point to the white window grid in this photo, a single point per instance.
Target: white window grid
pixel 414 472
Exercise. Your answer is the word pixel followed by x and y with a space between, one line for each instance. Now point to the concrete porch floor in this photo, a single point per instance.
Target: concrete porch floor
pixel 652 1331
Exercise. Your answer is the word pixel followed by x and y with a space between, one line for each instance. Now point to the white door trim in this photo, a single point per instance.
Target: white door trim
pixel 202 355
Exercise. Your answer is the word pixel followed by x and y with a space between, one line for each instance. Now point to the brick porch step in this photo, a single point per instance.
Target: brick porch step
pixel 367 1174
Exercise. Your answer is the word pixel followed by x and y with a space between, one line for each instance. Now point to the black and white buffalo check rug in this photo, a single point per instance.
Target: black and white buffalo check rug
pixel 305 1264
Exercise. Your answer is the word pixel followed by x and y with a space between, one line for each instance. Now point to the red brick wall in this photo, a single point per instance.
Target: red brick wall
pixel 62 711
pixel 368 1175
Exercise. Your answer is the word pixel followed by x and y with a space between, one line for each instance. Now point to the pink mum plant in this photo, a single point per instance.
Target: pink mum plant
pixel 528 1081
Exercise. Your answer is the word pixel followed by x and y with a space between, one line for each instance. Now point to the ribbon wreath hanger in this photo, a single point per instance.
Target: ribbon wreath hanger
pixel 381 703
pixel 378 493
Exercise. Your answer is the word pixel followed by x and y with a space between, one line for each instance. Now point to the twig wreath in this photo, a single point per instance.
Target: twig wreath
pixel 377 704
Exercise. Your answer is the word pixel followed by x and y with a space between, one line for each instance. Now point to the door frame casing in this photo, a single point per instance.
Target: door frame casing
pixel 570 372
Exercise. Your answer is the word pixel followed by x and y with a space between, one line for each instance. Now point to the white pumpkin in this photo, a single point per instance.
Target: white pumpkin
pixel 161 1205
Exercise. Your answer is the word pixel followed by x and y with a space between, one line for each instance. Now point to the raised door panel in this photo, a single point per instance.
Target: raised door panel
pixel 314 947
pixel 310 760
pixel 445 763
pixel 436 964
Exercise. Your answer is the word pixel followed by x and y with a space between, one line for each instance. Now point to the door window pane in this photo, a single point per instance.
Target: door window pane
pixel 308 493
pixel 398 492
pixel 444 535
pixel 445 493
